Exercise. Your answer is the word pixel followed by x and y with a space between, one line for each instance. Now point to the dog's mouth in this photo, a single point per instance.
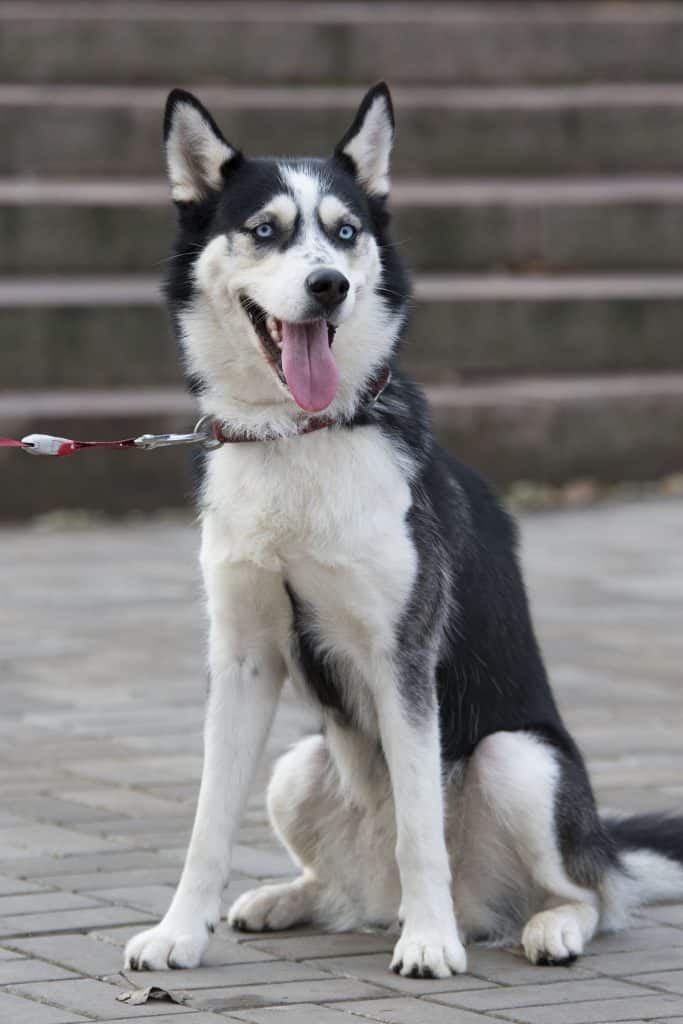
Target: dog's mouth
pixel 300 354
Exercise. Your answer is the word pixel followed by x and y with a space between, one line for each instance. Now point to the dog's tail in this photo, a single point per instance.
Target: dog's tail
pixel 650 848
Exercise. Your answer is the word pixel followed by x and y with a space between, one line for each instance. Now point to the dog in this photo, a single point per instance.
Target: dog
pixel 344 549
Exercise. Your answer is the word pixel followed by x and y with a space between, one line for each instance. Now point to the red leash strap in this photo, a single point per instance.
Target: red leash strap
pixel 70 447
pixel 46 444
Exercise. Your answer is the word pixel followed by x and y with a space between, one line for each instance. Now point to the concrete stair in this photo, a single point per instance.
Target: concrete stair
pixel 529 131
pixel 112 332
pixel 443 43
pixel 547 225
pixel 538 195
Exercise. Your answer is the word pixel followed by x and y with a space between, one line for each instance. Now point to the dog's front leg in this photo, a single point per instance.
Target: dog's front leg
pixel 246 673
pixel 429 945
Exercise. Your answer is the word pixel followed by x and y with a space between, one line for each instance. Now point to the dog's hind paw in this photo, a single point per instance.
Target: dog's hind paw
pixel 552 938
pixel 422 954
pixel 163 947
pixel 273 907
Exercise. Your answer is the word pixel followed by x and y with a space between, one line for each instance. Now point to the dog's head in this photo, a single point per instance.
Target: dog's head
pixel 285 290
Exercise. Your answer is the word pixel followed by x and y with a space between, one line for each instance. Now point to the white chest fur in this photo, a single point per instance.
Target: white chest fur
pixel 327 512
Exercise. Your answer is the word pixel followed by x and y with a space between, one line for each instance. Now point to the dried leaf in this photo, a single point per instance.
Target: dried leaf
pixel 138 996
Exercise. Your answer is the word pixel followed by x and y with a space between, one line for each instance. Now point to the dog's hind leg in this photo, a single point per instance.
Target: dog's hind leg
pixel 536 789
pixel 340 831
pixel 296 779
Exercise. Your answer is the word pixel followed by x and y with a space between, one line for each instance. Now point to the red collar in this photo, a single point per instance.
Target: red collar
pixel 222 434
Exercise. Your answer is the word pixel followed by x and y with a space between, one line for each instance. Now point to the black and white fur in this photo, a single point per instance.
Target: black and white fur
pixel 380 574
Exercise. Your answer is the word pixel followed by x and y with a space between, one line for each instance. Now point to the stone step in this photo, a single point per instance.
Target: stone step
pixel 609 428
pixel 476 42
pixel 67 130
pixel 606 224
pixel 79 332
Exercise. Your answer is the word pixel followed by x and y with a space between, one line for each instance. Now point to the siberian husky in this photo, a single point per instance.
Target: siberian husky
pixel 344 549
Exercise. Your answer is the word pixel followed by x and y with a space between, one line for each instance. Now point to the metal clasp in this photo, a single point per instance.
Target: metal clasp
pixel 203 430
pixel 202 434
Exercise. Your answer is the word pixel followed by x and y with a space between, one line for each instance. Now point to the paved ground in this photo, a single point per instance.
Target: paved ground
pixel 102 689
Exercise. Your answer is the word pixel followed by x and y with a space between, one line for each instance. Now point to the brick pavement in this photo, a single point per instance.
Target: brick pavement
pixel 100 752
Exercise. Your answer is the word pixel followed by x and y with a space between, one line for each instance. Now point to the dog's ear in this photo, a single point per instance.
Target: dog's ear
pixel 196 152
pixel 367 144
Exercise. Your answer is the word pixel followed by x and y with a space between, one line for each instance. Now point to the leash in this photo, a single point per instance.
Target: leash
pixel 209 432
pixel 47 444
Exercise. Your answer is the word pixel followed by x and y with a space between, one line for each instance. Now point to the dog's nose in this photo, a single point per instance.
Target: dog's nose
pixel 328 287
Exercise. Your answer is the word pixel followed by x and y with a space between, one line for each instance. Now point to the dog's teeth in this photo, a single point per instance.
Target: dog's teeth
pixel 273 327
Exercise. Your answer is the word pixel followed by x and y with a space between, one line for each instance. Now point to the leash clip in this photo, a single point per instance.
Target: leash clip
pixel 202 434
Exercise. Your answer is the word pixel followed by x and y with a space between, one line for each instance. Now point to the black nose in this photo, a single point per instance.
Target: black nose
pixel 328 287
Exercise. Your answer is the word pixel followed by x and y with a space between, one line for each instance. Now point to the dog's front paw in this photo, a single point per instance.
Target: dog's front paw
pixel 165 946
pixel 426 953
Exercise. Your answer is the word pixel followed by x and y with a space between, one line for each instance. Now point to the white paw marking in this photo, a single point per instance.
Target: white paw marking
pixel 552 937
pixel 424 953
pixel 166 946
pixel 270 908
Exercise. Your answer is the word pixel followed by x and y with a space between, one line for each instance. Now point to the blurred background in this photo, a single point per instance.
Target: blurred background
pixel 538 197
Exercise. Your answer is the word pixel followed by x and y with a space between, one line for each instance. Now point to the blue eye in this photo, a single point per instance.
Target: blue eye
pixel 265 230
pixel 346 232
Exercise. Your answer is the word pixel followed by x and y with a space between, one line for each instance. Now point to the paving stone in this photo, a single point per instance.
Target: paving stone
pixel 304 947
pixel 262 863
pixel 598 1011
pixel 95 998
pixel 265 972
pixel 303 1013
pixel 79 952
pixel 7 820
pixel 176 826
pixel 70 920
pixel 226 951
pixel 150 840
pixel 155 899
pixel 328 990
pixel 634 939
pixel 507 968
pixel 133 770
pixel 55 810
pixel 17 972
pixel 121 801
pixel 16 1010
pixel 8 954
pixel 671 981
pixel 640 962
pixel 669 913
pixel 117 936
pixel 32 840
pixel 414 1011
pixel 95 881
pixel 14 886
pixel 187 1018
pixel 48 865
pixel 44 902
pixel 539 995
pixel 375 968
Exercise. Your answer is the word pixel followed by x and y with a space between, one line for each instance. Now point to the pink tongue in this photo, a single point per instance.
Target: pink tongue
pixel 308 365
